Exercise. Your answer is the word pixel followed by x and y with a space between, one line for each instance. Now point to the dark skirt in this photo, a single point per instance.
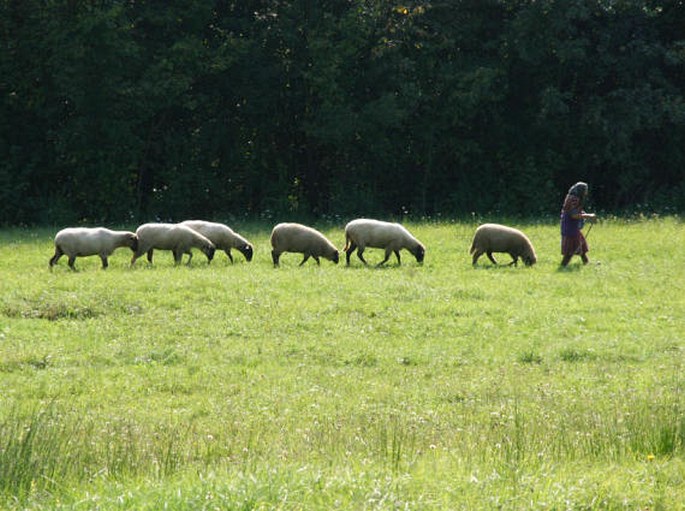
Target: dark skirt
pixel 574 245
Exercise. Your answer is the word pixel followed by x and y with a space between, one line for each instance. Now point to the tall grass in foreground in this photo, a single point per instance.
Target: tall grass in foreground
pixel 442 386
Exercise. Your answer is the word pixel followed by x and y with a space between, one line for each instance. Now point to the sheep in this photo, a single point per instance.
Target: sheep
pixel 223 237
pixel 87 241
pixel 292 237
pixel 363 232
pixel 491 238
pixel 175 237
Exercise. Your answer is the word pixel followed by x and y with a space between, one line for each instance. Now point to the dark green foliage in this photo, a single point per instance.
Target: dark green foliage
pixel 131 111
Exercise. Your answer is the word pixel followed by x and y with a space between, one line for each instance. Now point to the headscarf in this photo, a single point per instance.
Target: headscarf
pixel 578 190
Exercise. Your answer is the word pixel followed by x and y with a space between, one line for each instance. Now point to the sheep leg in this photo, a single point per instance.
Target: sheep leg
pixel 515 260
pixel 55 258
pixel 149 255
pixel 348 252
pixel 491 257
pixel 72 259
pixel 397 254
pixel 476 256
pixel 103 258
pixel 306 256
pixel 178 256
pixel 387 256
pixel 318 261
pixel 274 256
pixel 228 253
pixel 190 256
pixel 360 255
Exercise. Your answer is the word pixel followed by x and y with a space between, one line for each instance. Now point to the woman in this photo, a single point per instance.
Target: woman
pixel 572 219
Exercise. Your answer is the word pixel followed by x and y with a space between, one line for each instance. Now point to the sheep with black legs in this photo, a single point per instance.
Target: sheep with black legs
pixel 180 239
pixel 298 238
pixel 88 241
pixel 491 238
pixel 364 233
pixel 223 237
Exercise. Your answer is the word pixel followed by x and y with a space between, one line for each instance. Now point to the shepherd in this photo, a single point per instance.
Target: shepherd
pixel 573 218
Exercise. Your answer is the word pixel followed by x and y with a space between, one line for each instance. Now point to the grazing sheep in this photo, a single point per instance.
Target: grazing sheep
pixel 290 237
pixel 223 237
pixel 363 233
pixel 175 237
pixel 491 238
pixel 87 241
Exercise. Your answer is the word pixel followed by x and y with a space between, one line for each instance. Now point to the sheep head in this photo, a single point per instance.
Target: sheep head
pixel 132 242
pixel 209 252
pixel 247 251
pixel 419 252
pixel 529 259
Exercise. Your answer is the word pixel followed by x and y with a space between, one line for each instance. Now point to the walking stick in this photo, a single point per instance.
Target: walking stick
pixel 588 231
pixel 578 250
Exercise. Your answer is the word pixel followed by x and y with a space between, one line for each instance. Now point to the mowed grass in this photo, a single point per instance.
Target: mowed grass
pixel 437 386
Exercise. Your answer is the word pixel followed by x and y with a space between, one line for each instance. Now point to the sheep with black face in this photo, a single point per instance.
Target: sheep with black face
pixel 179 239
pixel 88 241
pixel 491 238
pixel 223 237
pixel 364 233
pixel 298 238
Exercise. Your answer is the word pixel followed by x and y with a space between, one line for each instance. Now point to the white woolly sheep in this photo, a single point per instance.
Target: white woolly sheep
pixel 223 237
pixel 491 238
pixel 88 241
pixel 364 233
pixel 175 237
pixel 291 237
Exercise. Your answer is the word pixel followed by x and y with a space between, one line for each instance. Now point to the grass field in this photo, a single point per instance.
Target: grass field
pixel 416 387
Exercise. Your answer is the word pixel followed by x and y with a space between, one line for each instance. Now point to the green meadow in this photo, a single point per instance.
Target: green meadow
pixel 431 387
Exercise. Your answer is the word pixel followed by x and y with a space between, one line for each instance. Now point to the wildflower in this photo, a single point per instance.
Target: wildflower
pixel 650 457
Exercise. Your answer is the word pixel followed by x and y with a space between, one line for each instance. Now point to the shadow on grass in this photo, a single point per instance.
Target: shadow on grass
pixel 571 268
pixel 497 267
pixel 376 267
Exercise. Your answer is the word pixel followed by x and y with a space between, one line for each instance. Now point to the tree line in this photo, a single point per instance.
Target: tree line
pixel 123 111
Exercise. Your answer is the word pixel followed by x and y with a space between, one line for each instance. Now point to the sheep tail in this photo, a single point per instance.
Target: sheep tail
pixel 347 242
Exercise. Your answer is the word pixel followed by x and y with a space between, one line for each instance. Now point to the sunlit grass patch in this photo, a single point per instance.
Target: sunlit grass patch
pixel 431 386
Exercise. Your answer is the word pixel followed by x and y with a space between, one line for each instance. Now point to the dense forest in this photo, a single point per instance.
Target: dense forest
pixel 136 110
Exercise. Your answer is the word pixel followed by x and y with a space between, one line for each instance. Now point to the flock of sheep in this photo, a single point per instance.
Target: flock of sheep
pixel 208 237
